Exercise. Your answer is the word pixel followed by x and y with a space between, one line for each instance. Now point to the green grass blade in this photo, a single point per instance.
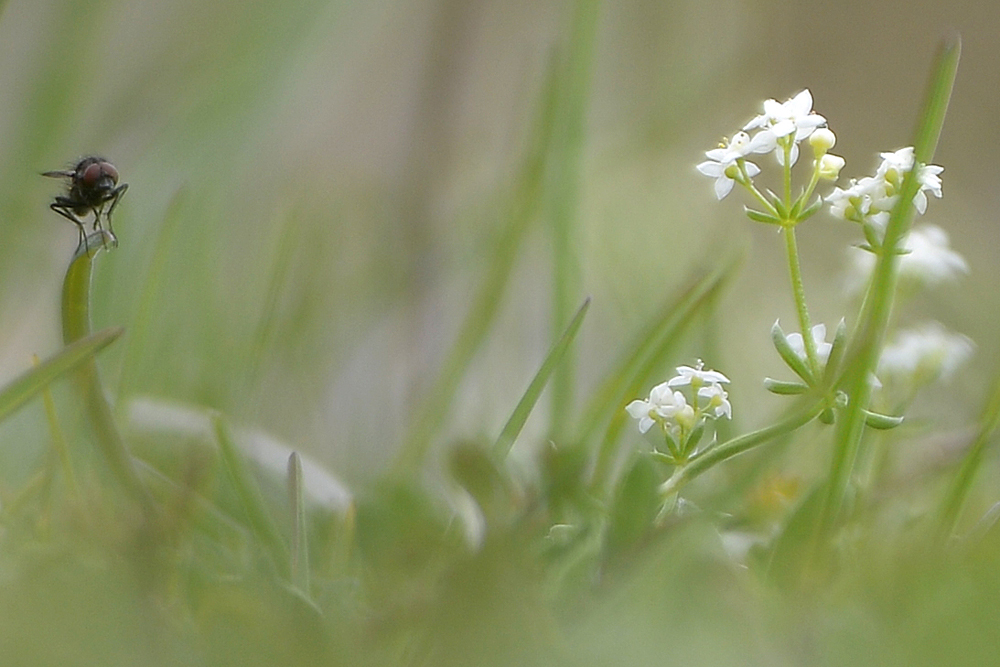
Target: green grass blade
pixel 32 382
pixel 76 327
pixel 300 538
pixel 250 497
pixel 524 407
pixel 951 508
pixel 866 347
pixel 563 191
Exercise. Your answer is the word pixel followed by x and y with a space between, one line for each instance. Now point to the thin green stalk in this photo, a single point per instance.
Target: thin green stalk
pixel 709 458
pixel 76 326
pixel 799 293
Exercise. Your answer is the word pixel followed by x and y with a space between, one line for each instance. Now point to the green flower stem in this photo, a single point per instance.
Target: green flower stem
pixel 709 458
pixel 813 182
pixel 866 345
pixel 787 148
pixel 752 189
pixel 799 293
pixel 76 326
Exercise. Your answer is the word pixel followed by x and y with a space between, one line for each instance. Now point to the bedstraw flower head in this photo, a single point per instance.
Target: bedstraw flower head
pixel 682 405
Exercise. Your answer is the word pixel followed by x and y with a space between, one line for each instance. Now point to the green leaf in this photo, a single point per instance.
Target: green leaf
pixel 783 388
pixel 871 236
pixel 796 210
pixel 32 382
pixel 634 508
pixel 837 349
pixel 789 356
pixel 520 415
pixel 780 207
pixel 758 216
pixel 881 422
pixel 811 210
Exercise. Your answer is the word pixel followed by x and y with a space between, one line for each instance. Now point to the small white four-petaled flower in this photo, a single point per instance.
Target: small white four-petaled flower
pixel 669 406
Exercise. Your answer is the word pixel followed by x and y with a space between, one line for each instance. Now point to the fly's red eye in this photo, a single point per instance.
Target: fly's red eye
pixel 91 174
pixel 109 170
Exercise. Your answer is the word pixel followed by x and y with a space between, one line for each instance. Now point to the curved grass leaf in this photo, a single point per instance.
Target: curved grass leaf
pixel 520 415
pixel 29 384
pixel 76 326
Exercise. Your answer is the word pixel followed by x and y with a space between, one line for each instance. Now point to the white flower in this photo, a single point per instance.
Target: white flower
pixel 929 182
pixel 696 377
pixel 798 345
pixel 896 164
pixel 722 163
pixel 793 118
pixel 662 404
pixel 829 166
pixel 930 260
pixel 924 354
pixel 859 200
pixel 716 401
pixel 873 197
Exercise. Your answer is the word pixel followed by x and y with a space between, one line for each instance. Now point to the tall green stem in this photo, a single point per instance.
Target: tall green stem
pixel 863 353
pixel 799 293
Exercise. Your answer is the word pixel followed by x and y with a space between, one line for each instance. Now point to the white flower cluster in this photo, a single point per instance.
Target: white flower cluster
pixel 668 406
pixel 871 199
pixel 781 128
pixel 923 354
